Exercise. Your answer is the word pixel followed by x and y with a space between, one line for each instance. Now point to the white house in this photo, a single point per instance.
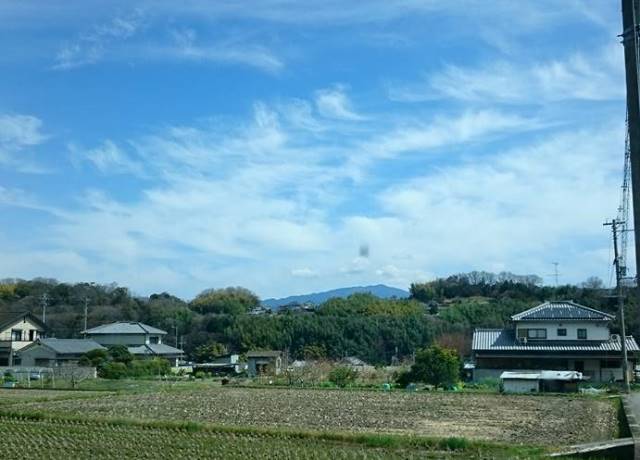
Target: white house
pixel 141 339
pixel 17 330
pixel 556 335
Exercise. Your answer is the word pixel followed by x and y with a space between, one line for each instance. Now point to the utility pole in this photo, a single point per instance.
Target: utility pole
pixel 630 40
pixel 43 303
pixel 86 314
pixel 623 333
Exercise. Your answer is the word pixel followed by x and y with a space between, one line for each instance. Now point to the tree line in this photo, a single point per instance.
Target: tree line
pixel 376 330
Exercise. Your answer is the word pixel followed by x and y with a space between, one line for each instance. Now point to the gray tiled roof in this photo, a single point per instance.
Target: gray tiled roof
pixel 263 354
pixel 155 349
pixel 71 346
pixel 505 340
pixel 125 327
pixel 565 310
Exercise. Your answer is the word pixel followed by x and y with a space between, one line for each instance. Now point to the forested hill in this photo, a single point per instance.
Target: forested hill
pixel 316 298
pixel 374 329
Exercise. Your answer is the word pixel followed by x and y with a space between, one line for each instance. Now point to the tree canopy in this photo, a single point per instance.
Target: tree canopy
pixel 435 365
pixel 229 301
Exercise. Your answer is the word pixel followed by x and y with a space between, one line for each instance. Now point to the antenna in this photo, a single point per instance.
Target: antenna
pixel 43 303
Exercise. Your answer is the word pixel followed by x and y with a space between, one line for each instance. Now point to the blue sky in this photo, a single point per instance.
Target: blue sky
pixel 178 146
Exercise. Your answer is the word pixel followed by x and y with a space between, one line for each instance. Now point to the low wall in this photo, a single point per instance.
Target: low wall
pixel 61 372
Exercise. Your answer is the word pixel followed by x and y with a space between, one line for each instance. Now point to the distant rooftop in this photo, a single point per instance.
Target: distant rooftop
pixel 71 346
pixel 505 339
pixel 155 349
pixel 125 327
pixel 263 354
pixel 562 310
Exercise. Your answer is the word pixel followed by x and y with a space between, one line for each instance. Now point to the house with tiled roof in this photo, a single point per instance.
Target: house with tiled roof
pixel 142 340
pixel 56 352
pixel 555 335
pixel 17 330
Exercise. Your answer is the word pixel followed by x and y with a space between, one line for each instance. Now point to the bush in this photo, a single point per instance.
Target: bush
pixel 120 354
pixel 113 370
pixel 94 358
pixel 149 367
pixel 436 366
pixel 342 376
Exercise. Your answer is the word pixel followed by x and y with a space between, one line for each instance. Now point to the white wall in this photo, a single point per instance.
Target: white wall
pixel 595 330
pixel 25 325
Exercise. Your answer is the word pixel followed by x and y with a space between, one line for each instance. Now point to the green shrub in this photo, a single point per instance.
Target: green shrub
pixel 342 376
pixel 113 370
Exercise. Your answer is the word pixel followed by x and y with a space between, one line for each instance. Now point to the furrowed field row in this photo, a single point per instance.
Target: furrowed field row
pixel 521 419
pixel 58 439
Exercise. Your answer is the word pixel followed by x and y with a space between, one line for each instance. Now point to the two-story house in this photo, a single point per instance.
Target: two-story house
pixel 17 330
pixel 141 339
pixel 556 335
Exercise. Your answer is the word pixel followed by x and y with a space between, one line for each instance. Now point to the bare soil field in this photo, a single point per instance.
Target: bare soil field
pixel 536 420
pixel 16 395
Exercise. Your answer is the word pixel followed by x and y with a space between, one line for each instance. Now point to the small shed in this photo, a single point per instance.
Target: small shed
pixel 264 362
pixel 540 381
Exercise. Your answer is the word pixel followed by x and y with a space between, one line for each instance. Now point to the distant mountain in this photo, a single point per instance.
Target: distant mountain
pixel 317 298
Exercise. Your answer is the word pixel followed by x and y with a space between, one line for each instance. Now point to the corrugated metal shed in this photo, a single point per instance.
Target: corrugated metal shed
pixel 562 310
pixel 504 339
pixel 125 327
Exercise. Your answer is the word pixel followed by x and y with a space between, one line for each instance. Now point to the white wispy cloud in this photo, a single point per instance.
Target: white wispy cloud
pixel 19 133
pixel 595 77
pixel 92 45
pixel 334 103
pixel 108 158
pixel 185 46
pixel 304 272
pixel 250 199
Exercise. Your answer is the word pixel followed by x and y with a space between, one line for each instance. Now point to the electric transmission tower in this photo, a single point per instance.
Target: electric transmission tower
pixel 623 212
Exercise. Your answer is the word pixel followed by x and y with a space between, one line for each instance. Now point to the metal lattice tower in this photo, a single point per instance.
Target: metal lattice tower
pixel 623 209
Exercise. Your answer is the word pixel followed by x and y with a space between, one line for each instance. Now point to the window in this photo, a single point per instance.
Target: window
pixel 16 335
pixel 582 334
pixel 536 334
pixel 562 332
pixel 153 339
pixel 522 333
